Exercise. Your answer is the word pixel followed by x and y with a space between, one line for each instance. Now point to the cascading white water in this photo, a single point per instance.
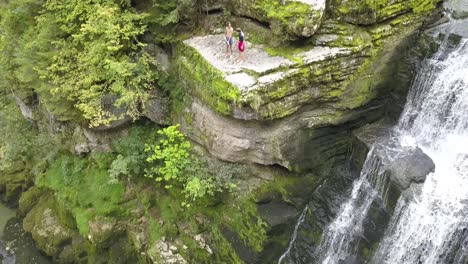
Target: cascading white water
pixel 429 224
pixel 429 228
pixel 339 239
pixel 293 239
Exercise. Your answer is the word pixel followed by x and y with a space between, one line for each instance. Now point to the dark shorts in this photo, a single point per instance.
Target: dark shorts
pixel 241 46
pixel 229 41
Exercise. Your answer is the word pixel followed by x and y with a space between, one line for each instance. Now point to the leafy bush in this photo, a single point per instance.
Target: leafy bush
pixel 75 53
pixel 131 158
pixel 165 16
pixel 173 164
pixel 98 53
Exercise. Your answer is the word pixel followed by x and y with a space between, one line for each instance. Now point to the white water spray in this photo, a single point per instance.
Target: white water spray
pixel 429 228
pixel 293 239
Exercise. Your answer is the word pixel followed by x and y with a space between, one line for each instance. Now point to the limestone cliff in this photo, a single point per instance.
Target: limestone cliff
pixel 284 101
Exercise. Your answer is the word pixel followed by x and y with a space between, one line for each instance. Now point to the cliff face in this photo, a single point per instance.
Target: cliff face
pixel 284 101
pixel 271 129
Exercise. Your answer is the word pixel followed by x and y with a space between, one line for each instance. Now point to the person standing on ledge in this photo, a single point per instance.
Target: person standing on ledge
pixel 241 45
pixel 229 39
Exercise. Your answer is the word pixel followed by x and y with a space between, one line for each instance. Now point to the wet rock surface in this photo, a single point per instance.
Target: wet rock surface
pixel 458 8
pixel 412 166
pixel 277 213
pixel 322 209
pixel 16 246
pixel 157 108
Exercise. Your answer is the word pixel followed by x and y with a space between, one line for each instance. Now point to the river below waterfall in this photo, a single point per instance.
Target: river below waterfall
pixel 17 247
pixel 425 221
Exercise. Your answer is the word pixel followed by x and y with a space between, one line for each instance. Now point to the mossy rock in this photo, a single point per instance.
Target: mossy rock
pixel 347 67
pixel 46 227
pixel 367 12
pixel 290 19
pixel 29 199
pixel 103 231
pixel 13 185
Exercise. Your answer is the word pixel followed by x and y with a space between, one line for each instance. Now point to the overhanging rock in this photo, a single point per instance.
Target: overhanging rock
pixel 291 18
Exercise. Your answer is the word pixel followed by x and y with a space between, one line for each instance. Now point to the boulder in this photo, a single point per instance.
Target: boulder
pixel 82 149
pixel 28 200
pixel 157 107
pixel 104 231
pixel 365 137
pixel 46 228
pixel 14 183
pixel 412 166
pixel 119 113
pixel 165 252
pixel 399 168
pixel 277 213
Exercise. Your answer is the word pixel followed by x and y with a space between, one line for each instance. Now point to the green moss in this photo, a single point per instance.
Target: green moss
pixel 371 11
pixel 423 6
pixel 28 200
pixel 84 188
pixel 289 20
pixel 206 82
pixel 290 52
pixel 285 186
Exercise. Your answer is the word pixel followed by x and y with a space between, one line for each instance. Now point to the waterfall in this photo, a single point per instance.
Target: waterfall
pixel 429 224
pixel 293 239
pixel 432 227
pixel 339 242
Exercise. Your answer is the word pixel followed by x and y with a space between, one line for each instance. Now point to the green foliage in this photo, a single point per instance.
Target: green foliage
pixel 98 53
pixel 165 15
pixel 17 21
pixel 173 164
pixel 131 158
pixel 171 156
pixel 82 185
pixel 16 136
pixel 423 6
pixel 74 54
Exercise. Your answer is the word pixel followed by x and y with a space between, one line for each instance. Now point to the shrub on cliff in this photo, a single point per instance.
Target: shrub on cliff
pixel 73 53
pixel 173 163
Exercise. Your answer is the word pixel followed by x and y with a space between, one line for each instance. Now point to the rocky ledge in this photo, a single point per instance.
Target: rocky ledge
pixel 293 106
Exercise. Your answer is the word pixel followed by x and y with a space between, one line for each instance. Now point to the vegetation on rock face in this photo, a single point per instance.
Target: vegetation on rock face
pixel 371 11
pixel 74 53
pixel 83 186
pixel 62 61
pixel 173 163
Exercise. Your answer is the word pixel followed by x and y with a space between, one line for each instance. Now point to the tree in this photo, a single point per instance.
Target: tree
pixel 97 53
